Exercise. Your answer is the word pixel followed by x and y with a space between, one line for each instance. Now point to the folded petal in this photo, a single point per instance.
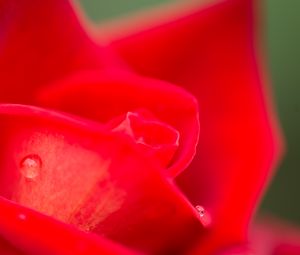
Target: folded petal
pixel 79 173
pixel 107 95
pixel 212 53
pixel 41 41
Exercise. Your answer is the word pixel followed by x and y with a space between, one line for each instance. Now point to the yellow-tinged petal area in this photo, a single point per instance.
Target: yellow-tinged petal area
pixel 46 183
pixel 79 173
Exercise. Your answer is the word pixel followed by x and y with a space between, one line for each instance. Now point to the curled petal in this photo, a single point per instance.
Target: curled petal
pixel 104 96
pixel 155 138
pixel 98 181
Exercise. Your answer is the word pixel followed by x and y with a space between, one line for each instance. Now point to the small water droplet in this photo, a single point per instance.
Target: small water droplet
pixel 30 166
pixel 205 216
pixel 200 210
pixel 22 216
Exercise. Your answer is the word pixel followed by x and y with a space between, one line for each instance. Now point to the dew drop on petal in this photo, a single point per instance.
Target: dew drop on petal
pixel 205 217
pixel 200 210
pixel 30 166
pixel 22 216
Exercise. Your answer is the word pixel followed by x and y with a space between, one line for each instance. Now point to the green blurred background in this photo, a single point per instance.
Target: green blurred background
pixel 283 49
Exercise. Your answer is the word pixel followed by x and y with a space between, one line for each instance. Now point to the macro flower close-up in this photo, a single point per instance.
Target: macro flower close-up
pixel 150 134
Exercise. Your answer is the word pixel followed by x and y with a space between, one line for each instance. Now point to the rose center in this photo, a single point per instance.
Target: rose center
pixel 155 138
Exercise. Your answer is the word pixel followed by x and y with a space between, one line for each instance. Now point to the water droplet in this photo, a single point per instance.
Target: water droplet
pixel 200 210
pixel 22 216
pixel 205 216
pixel 30 166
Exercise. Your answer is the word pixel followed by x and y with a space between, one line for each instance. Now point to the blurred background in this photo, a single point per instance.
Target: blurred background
pixel 282 36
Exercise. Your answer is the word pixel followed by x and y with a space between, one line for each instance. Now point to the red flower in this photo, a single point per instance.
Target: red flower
pixel 96 166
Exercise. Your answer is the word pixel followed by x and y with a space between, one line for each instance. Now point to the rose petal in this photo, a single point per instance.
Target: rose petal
pixel 270 236
pixel 237 250
pixel 155 138
pixel 105 96
pixel 34 233
pixel 122 196
pixel 42 41
pixel 211 52
pixel 8 249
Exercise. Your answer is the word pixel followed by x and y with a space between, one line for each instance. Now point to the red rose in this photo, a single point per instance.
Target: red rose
pixel 105 162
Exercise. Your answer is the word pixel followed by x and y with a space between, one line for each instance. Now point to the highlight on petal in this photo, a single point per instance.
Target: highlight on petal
pixel 108 95
pixel 85 175
pixel 212 53
pixel 40 42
